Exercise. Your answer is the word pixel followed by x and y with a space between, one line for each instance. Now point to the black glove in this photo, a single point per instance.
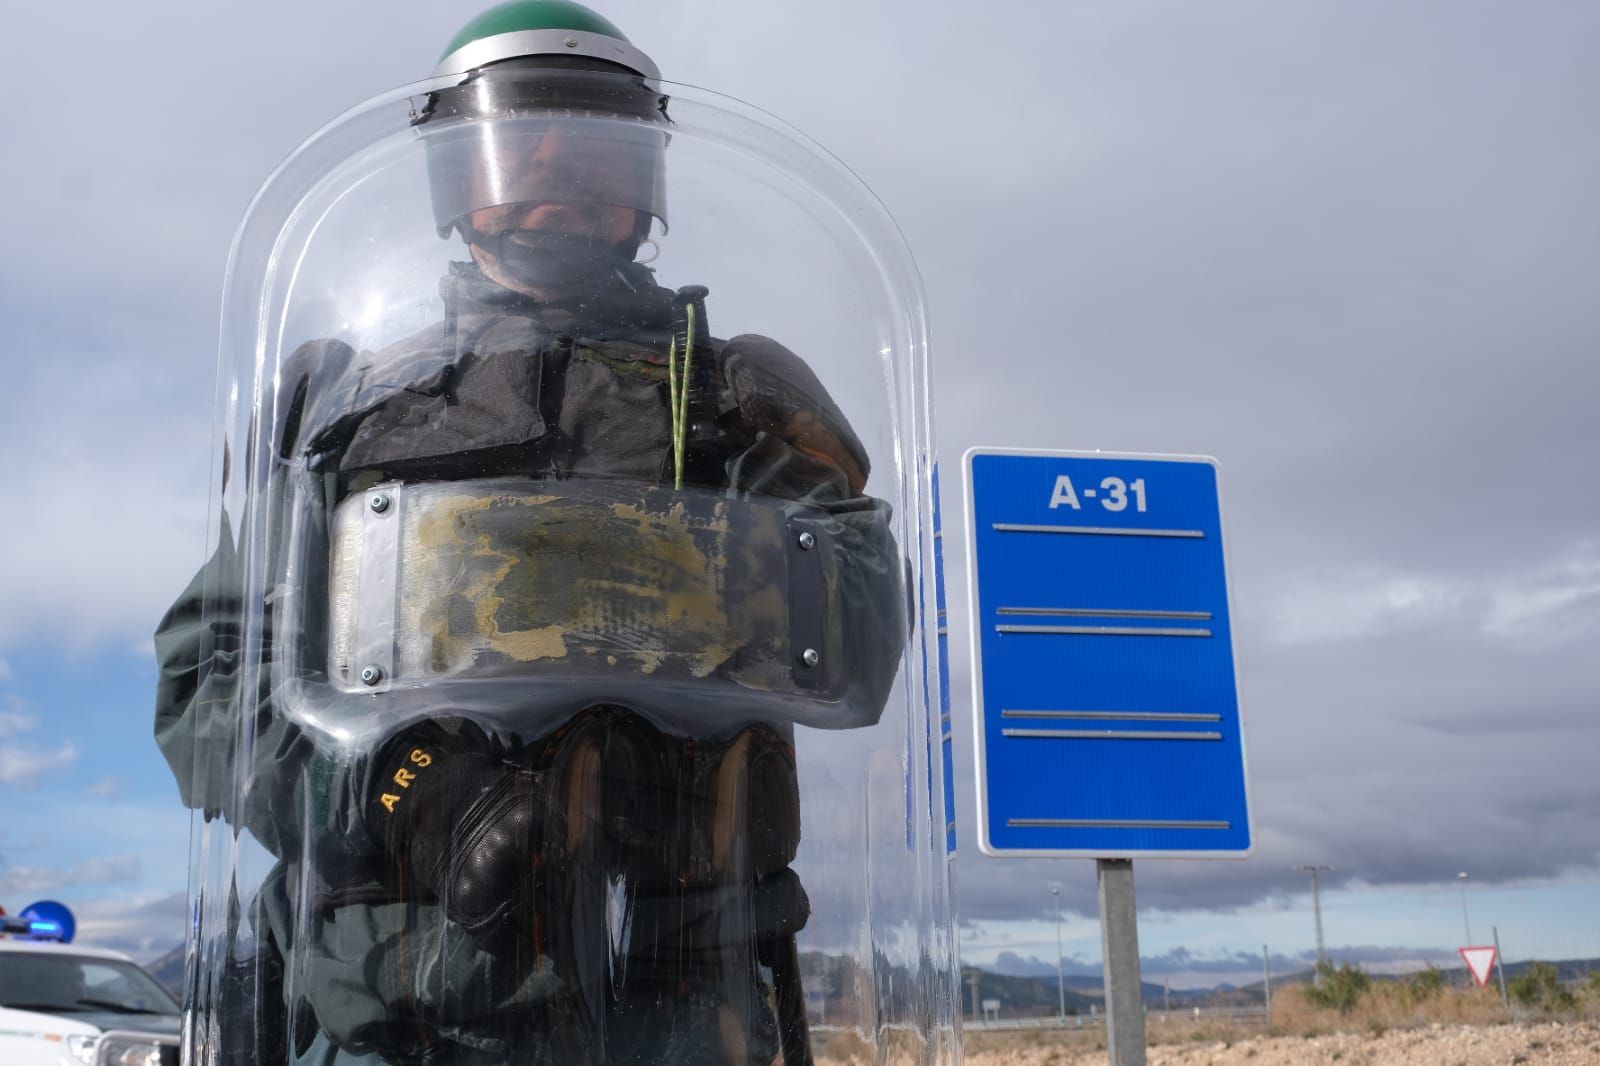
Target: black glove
pixel 777 392
pixel 465 826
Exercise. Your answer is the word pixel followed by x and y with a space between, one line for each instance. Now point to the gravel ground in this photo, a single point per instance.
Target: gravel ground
pixel 1534 1044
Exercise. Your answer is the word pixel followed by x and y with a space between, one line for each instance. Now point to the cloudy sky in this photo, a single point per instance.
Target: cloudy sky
pixel 1349 249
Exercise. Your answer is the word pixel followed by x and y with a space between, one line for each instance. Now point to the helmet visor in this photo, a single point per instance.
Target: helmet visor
pixel 584 160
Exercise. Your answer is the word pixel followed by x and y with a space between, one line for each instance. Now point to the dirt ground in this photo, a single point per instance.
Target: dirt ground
pixel 1530 1043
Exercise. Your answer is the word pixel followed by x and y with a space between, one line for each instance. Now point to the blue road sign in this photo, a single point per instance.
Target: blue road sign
pixel 1106 705
pixel 946 726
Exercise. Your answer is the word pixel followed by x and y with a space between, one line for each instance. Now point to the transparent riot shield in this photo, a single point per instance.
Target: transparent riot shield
pixel 561 689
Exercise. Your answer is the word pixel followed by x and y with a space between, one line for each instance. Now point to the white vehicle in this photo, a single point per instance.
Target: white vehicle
pixel 65 1005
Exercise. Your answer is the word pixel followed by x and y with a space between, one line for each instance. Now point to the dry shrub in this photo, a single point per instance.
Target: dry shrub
pixel 1014 1042
pixel 1389 1004
pixel 1339 989
pixel 1417 1001
pixel 1540 986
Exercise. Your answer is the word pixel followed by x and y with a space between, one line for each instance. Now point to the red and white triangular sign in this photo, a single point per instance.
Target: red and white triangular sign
pixel 1481 962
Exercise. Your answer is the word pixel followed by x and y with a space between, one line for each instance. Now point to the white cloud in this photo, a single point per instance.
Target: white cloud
pixel 5 670
pixel 1357 606
pixel 1546 600
pixel 15 723
pixel 145 927
pixel 116 541
pixel 112 869
pixel 106 787
pixel 23 767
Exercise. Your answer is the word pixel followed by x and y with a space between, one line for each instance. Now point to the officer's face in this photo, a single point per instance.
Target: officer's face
pixel 567 160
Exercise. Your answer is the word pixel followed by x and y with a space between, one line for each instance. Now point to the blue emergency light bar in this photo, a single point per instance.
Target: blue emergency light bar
pixel 24 929
pixel 44 920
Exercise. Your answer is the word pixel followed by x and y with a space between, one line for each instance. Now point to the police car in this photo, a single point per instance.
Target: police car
pixel 66 1005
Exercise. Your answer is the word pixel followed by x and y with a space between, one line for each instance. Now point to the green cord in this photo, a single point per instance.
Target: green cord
pixel 672 399
pixel 678 396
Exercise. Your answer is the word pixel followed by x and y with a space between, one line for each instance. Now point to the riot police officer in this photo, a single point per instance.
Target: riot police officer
pixel 509 690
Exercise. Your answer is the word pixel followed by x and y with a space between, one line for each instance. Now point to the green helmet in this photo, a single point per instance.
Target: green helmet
pixel 517 74
pixel 523 28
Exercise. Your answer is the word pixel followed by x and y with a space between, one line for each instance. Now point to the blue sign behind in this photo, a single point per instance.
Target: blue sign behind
pixel 1106 705
pixel 946 727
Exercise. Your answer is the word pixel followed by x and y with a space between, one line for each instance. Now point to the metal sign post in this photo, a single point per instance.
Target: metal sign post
pixel 1119 943
pixel 1266 981
pixel 1105 698
pixel 1500 968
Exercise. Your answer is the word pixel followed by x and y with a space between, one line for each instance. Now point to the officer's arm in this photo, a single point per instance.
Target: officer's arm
pixel 200 649
pixel 196 659
pixel 777 392
pixel 200 645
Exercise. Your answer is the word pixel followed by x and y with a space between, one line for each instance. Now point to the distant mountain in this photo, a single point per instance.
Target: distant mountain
pixel 1022 997
pixel 168 969
pixel 1566 969
pixel 1025 996
pixel 1032 996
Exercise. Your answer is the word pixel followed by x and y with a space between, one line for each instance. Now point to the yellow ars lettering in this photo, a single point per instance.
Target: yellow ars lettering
pixel 389 800
pixel 421 757
pixel 404 777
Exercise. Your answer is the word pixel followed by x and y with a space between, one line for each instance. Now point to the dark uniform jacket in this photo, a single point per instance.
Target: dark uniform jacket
pixel 503 387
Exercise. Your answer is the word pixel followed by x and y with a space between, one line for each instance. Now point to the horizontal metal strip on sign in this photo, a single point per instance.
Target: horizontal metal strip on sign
pixel 1107 631
pixel 1118 716
pixel 1108 823
pixel 1113 531
pixel 1107 734
pixel 1092 612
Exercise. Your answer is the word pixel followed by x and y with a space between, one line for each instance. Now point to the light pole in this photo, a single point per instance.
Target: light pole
pixel 1465 921
pixel 1316 905
pixel 1061 980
